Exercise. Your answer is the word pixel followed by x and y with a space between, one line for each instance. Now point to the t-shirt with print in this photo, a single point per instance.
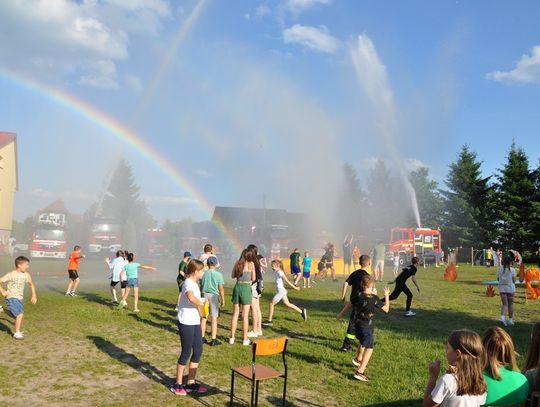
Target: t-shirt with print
pixel 132 270
pixel 74 259
pixel 445 394
pixel 355 280
pixel 187 311
pixel 211 280
pixel 506 282
pixel 15 282
pixel 365 307
pixel 280 275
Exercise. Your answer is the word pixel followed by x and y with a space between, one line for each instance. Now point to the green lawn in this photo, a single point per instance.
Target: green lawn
pixel 80 351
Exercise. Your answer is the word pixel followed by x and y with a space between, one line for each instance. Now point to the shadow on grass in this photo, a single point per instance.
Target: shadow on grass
pixel 154 324
pixel 400 403
pixel 5 328
pixel 148 370
pixel 92 297
pixel 158 301
pixel 277 401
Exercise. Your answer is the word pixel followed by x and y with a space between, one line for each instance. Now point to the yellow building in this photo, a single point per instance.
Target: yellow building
pixel 8 183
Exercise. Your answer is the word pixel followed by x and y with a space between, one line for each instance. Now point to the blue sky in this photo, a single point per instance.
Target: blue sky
pixel 263 97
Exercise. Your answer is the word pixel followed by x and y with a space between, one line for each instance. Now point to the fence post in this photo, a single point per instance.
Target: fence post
pixel 472 256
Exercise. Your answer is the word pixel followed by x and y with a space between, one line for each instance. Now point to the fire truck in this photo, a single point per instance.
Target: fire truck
pixel 49 238
pixel 154 243
pixel 421 242
pixel 104 236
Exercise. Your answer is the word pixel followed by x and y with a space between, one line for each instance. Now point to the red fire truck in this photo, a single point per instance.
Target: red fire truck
pixel 154 243
pixel 104 236
pixel 49 238
pixel 421 242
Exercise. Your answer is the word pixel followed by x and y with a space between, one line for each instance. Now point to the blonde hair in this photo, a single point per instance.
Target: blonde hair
pixel 469 378
pixel 499 350
pixel 278 263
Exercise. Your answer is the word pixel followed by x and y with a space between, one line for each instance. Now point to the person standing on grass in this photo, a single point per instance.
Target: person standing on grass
pixel 256 291
pixel 182 275
pixel 116 266
pixel 329 261
pixel 354 280
pixel 277 266
pixel 131 271
pixel 463 383
pixel 396 264
pixel 245 275
pixel 208 250
pixel 506 276
pixel 379 252
pixel 306 263
pixel 212 284
pixel 365 306
pixel 401 286
pixel 190 331
pixel 14 292
pixel 295 266
pixel 347 254
pixel 356 256
pixel 73 271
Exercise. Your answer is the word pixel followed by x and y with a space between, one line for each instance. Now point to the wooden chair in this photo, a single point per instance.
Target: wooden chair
pixel 257 373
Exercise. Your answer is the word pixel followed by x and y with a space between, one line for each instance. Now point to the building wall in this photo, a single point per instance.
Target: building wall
pixel 8 186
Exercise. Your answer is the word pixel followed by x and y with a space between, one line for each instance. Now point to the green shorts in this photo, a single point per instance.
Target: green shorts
pixel 241 294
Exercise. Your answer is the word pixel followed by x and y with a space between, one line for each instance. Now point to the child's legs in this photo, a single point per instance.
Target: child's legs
pixel 333 272
pixel 245 320
pixel 70 285
pixel 213 328
pixel 136 296
pixel 113 292
pixel 365 356
pixel 126 293
pixel 76 283
pixel 234 319
pixel 504 304
pixel 345 309
pixel 396 292
pixel 359 353
pixel 179 296
pixel 409 295
pixel 203 326
pixel 271 311
pixel 291 305
pixel 511 307
pixel 255 311
pixel 18 322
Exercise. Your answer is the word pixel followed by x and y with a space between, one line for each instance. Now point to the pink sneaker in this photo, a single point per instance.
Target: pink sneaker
pixel 178 389
pixel 196 387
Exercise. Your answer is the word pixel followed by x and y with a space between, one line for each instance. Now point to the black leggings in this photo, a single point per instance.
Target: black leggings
pixel 191 341
pixel 402 288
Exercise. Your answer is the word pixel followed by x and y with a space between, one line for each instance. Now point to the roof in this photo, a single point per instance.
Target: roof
pixel 5 139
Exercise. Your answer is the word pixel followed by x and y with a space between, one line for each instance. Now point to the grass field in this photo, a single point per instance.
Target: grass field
pixel 81 351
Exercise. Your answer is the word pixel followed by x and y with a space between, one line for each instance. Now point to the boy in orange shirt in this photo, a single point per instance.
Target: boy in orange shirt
pixel 73 272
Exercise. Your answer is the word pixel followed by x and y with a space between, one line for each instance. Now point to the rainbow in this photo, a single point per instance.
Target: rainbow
pixel 125 135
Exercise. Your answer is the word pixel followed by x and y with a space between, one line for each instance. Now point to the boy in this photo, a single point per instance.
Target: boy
pixel 307 269
pixel 354 280
pixel 400 281
pixel 182 267
pixel 208 250
pixel 73 272
pixel 295 266
pixel 116 267
pixel 364 309
pixel 396 264
pixel 213 290
pixel 15 281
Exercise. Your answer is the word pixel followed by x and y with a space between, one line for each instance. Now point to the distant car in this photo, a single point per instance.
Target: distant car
pixel 20 248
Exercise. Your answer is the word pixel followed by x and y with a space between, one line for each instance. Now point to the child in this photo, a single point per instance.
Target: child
pixel 73 272
pixel 356 256
pixel 257 288
pixel 277 266
pixel 208 250
pixel 212 284
pixel 190 330
pixel 462 384
pixel 14 294
pixel 306 262
pixel 401 285
pixel 364 310
pixel 354 280
pixel 131 270
pixel 396 264
pixel 505 384
pixel 182 275
pixel 506 275
pixel 295 266
pixel 531 369
pixel 116 266
pixel 245 275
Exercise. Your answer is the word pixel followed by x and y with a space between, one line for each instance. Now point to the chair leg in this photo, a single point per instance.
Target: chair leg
pixel 252 392
pixel 232 388
pixel 257 394
pixel 284 389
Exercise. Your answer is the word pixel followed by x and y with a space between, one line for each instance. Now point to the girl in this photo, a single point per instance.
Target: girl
pixel 277 266
pixel 506 275
pixel 505 384
pixel 256 315
pixel 532 362
pixel 131 272
pixel 306 262
pixel 190 330
pixel 244 273
pixel 463 383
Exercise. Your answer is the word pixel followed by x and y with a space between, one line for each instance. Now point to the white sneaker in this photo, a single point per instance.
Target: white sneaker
pixel 252 334
pixel 503 320
pixel 510 321
pixel 18 335
pixel 246 342
pixel 410 314
pixel 231 341
pixel 260 333
pixel 176 308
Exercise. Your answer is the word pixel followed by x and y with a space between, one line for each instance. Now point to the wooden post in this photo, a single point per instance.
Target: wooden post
pixel 472 256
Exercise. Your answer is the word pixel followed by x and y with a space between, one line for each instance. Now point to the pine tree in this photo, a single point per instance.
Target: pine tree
pixel 430 201
pixel 535 216
pixel 468 203
pixel 516 194
pixel 352 205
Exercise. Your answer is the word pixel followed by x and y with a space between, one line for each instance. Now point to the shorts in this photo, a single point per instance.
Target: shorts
pixel 122 283
pixel 73 274
pixel 307 273
pixel 365 335
pixel 279 296
pixel 15 306
pixel 241 294
pixel 132 283
pixel 295 269
pixel 347 260
pixel 213 302
pixel 509 296
pixel 254 292
pixel 320 266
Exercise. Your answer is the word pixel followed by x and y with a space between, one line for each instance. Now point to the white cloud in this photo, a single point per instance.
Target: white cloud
pixel 262 10
pixel 133 82
pixel 297 6
pixel 316 39
pixel 101 74
pixel 527 70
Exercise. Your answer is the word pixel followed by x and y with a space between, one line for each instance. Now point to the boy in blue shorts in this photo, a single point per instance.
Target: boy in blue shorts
pixel 295 266
pixel 15 282
pixel 307 269
pixel 213 284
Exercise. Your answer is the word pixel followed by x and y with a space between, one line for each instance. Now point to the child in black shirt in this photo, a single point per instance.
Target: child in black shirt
pixel 401 285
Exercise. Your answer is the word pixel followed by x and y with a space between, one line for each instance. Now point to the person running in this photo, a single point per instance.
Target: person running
pixel 295 266
pixel 329 260
pixel 182 267
pixel 73 271
pixel 379 252
pixel 131 271
pixel 14 293
pixel 212 284
pixel 401 286
pixel 277 266
pixel 347 254
pixel 245 275
pixel 190 331
pixel 306 263
pixel 506 276
pixel 116 266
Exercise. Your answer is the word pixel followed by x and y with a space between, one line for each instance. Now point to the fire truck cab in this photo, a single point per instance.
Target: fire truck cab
pixel 421 242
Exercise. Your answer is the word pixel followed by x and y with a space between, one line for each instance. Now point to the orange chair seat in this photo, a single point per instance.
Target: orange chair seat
pixel 261 372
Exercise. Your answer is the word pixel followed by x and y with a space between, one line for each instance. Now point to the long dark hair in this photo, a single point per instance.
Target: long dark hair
pixel 255 253
pixel 245 257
